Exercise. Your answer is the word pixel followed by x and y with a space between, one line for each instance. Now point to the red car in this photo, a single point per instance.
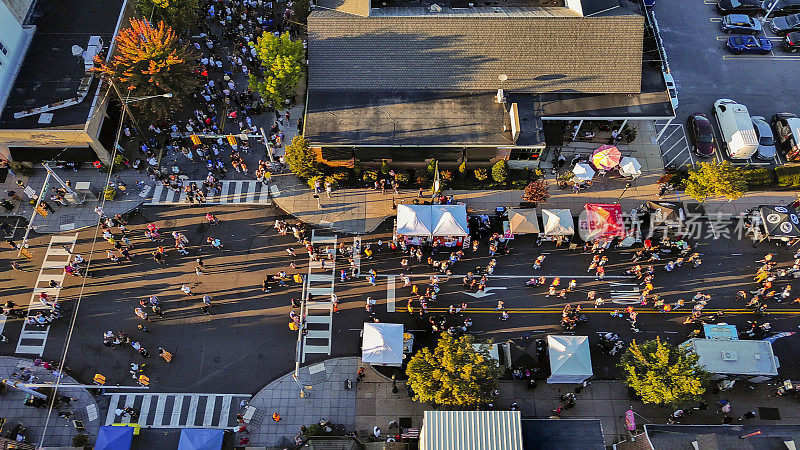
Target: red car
pixel 701 135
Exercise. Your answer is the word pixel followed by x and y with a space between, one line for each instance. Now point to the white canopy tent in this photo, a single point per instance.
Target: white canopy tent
pixel 570 361
pixel 382 344
pixel 432 220
pixel 523 221
pixel 558 222
pixel 414 220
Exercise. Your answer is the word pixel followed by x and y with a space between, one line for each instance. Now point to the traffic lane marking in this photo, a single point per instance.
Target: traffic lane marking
pixel 758 57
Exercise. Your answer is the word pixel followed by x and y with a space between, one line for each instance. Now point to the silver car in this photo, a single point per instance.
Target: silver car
pixel 766 141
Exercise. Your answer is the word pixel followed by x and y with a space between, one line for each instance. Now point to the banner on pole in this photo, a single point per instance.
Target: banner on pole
pixel 630 421
pixel 195 139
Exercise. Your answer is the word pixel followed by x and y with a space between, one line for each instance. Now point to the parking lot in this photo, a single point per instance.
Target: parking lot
pixel 705 71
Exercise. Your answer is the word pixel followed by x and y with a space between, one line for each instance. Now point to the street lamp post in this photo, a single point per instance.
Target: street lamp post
pixel 128 100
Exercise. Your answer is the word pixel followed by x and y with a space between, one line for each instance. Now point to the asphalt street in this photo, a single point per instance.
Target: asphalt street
pixel 245 342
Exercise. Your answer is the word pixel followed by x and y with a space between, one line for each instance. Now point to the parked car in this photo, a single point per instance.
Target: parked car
pixel 785 24
pixel 766 141
pixel 740 24
pixel 786 128
pixel 673 91
pixel 738 137
pixel 791 42
pixel 749 45
pixel 649 3
pixel 781 7
pixel 701 135
pixel 739 6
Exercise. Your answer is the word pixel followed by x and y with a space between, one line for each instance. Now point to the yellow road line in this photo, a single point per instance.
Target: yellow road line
pixel 601 311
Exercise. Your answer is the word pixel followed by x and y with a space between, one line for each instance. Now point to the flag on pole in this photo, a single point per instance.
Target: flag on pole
pixel 436 181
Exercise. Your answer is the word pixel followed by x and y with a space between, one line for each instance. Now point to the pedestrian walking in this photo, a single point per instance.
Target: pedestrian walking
pixel 186 289
pixel 206 304
pixel 165 354
pixel 140 313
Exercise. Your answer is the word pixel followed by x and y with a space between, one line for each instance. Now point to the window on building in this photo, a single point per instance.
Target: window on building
pixel 524 154
pixel 3 48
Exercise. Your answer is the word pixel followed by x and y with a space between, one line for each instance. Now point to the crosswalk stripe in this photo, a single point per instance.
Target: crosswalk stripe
pixel 162 401
pixel 182 198
pixel 264 197
pixel 157 191
pixel 144 410
pixel 192 413
pixel 112 408
pixel 129 400
pixel 390 294
pixel 225 412
pixel 238 191
pixel 176 411
pixel 251 191
pixel 170 196
pixel 211 401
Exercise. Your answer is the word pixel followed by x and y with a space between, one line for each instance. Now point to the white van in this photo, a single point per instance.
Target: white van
pixel 738 135
pixel 500 352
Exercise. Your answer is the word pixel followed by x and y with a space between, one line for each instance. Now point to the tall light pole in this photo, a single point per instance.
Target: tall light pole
pixel 128 100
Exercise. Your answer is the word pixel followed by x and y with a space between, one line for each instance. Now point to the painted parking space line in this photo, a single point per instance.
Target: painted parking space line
pixel 715 19
pixel 725 38
pixel 761 57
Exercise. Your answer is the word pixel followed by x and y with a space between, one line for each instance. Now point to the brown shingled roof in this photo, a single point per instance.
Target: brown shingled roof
pixel 539 54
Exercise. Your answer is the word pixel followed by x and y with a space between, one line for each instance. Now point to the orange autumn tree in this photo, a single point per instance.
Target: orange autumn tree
pixel 148 61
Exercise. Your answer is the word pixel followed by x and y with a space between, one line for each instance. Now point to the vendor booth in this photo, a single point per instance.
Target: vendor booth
pixel 557 222
pixel 665 214
pixel 779 222
pixel 114 438
pixel 382 344
pixel 200 439
pixel 570 361
pixel 522 221
pixel 602 221
pixel 424 224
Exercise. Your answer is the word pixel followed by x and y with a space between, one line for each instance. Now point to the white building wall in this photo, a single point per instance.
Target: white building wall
pixel 14 40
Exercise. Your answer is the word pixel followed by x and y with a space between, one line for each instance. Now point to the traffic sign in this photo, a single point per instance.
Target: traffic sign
pixel 99 379
pixel 195 139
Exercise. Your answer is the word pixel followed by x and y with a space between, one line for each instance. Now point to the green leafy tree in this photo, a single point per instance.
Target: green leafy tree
pixel 500 171
pixel 302 159
pixel 662 373
pixel 462 169
pixel 181 15
pixel 481 174
pixel 715 179
pixel 282 61
pixel 151 61
pixel 301 9
pixel 454 374
pixel 536 192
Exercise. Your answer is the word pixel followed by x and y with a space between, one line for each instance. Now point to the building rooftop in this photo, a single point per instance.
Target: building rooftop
pixel 537 54
pixel 722 437
pixel 405 118
pixel 739 357
pixel 560 434
pixel 49 72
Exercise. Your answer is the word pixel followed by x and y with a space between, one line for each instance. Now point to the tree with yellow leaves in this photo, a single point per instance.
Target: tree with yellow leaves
pixel 148 61
pixel 661 373
pixel 282 64
pixel 454 374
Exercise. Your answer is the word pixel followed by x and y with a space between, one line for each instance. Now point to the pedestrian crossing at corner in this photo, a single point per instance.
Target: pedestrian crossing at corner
pixel 625 293
pixel 177 410
pixel 319 310
pixel 233 192
pixel 33 337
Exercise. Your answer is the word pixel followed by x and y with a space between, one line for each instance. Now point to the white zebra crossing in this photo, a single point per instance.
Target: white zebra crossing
pixel 176 410
pixel 238 192
pixel 625 293
pixel 33 337
pixel 319 312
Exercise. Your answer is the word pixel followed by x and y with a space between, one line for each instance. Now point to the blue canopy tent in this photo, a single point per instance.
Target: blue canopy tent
pixel 114 438
pixel 200 439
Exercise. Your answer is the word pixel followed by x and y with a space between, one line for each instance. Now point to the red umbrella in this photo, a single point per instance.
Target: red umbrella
pixel 606 157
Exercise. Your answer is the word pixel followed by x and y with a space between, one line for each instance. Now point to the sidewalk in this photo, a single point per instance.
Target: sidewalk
pixel 73 217
pixel 59 430
pixel 604 400
pixel 327 399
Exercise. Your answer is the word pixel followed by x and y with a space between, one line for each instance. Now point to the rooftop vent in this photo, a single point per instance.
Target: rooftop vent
pixel 436 8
